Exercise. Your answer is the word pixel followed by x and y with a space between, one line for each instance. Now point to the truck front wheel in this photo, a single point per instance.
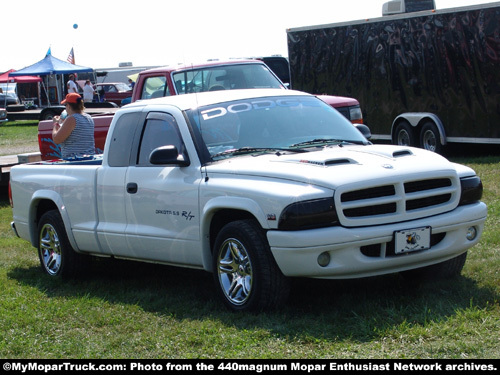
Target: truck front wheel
pixel 246 275
pixel 57 257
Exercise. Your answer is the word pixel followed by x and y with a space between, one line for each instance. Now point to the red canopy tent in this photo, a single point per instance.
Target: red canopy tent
pixel 4 78
pixel 16 80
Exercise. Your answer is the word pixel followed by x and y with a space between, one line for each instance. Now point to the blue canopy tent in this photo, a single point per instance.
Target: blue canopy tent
pixel 48 67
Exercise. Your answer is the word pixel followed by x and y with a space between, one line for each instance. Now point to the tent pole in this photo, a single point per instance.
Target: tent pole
pixel 46 92
pixel 38 96
pixel 60 88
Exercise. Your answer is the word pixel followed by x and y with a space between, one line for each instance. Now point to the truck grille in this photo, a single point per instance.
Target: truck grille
pixel 397 201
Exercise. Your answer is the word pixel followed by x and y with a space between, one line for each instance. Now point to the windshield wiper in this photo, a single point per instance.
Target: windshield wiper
pixel 325 141
pixel 249 150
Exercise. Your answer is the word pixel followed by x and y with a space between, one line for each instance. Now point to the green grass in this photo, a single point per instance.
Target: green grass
pixel 135 310
pixel 18 137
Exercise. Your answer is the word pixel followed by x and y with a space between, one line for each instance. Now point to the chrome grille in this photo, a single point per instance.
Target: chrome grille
pixel 397 201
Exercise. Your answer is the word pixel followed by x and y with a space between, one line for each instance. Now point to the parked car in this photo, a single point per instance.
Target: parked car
pixel 8 98
pixel 113 92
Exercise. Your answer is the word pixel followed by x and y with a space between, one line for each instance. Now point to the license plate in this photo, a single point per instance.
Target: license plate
pixel 410 240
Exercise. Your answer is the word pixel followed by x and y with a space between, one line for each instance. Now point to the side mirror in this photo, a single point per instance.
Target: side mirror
pixel 167 155
pixel 365 130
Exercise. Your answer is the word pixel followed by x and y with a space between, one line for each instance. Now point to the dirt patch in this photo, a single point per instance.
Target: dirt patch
pixel 18 149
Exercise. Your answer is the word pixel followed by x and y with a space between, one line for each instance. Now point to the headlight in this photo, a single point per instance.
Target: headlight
pixel 315 213
pixel 472 190
pixel 355 115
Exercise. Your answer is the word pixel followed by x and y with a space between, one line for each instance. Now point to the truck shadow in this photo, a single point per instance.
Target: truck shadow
pixel 359 310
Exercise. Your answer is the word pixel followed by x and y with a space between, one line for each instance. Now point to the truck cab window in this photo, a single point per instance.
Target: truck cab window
pixel 122 140
pixel 155 87
pixel 160 130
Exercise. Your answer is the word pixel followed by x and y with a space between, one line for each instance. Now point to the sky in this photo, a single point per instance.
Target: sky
pixel 104 33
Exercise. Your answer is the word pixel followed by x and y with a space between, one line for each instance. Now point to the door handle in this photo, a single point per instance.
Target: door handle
pixel 131 188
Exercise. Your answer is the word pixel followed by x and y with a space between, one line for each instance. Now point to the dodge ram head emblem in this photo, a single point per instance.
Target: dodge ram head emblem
pixel 411 239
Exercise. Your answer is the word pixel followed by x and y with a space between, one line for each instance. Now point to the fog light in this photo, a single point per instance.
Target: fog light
pixel 471 233
pixel 324 259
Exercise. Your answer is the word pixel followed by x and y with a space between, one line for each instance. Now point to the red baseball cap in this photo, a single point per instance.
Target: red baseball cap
pixel 71 98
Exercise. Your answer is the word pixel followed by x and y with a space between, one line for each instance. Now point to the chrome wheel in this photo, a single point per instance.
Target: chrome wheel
pixel 246 275
pixel 57 257
pixel 404 134
pixel 50 249
pixel 430 138
pixel 235 271
pixel 429 141
pixel 403 138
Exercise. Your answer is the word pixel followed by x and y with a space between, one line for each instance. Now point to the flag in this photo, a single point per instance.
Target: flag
pixel 49 52
pixel 71 57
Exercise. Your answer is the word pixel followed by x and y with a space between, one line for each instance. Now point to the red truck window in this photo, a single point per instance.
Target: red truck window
pixel 155 87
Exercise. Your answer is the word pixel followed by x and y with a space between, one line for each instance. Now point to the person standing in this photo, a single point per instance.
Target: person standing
pixel 75 134
pixel 88 92
pixel 71 85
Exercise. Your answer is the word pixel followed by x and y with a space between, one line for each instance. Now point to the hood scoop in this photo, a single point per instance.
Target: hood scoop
pixel 339 161
pixel 328 162
pixel 401 153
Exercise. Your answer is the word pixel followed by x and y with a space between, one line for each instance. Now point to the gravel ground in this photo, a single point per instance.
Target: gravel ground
pixel 18 149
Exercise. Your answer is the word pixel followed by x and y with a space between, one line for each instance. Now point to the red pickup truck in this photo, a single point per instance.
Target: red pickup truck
pixel 184 79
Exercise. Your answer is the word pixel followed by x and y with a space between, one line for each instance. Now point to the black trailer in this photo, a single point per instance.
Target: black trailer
pixel 423 79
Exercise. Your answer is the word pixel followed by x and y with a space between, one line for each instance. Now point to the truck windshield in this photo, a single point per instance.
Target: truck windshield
pixel 271 123
pixel 225 77
pixel 122 87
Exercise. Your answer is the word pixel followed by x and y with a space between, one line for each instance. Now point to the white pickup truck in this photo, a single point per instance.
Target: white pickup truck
pixel 256 186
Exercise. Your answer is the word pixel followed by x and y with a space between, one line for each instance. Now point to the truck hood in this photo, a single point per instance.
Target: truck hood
pixel 339 165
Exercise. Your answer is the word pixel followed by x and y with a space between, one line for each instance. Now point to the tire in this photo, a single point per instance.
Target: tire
pixel 246 275
pixel 430 138
pixel 445 270
pixel 57 257
pixel 15 108
pixel 405 135
pixel 48 115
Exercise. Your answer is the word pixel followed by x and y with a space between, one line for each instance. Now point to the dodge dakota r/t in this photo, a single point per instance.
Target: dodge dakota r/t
pixel 255 186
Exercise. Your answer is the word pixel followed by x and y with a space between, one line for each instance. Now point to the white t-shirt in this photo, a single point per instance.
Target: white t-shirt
pixel 88 93
pixel 72 87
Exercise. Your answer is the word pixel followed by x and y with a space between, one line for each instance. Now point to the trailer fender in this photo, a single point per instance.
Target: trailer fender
pixel 417 120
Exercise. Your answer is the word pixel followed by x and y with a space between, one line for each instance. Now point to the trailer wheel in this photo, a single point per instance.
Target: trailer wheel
pixel 246 275
pixel 430 138
pixel 57 257
pixel 404 134
pixel 48 115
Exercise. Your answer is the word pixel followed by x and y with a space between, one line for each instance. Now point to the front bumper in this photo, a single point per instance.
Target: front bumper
pixel 363 251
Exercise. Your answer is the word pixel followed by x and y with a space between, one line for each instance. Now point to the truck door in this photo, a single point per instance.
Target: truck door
pixel 110 188
pixel 161 202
